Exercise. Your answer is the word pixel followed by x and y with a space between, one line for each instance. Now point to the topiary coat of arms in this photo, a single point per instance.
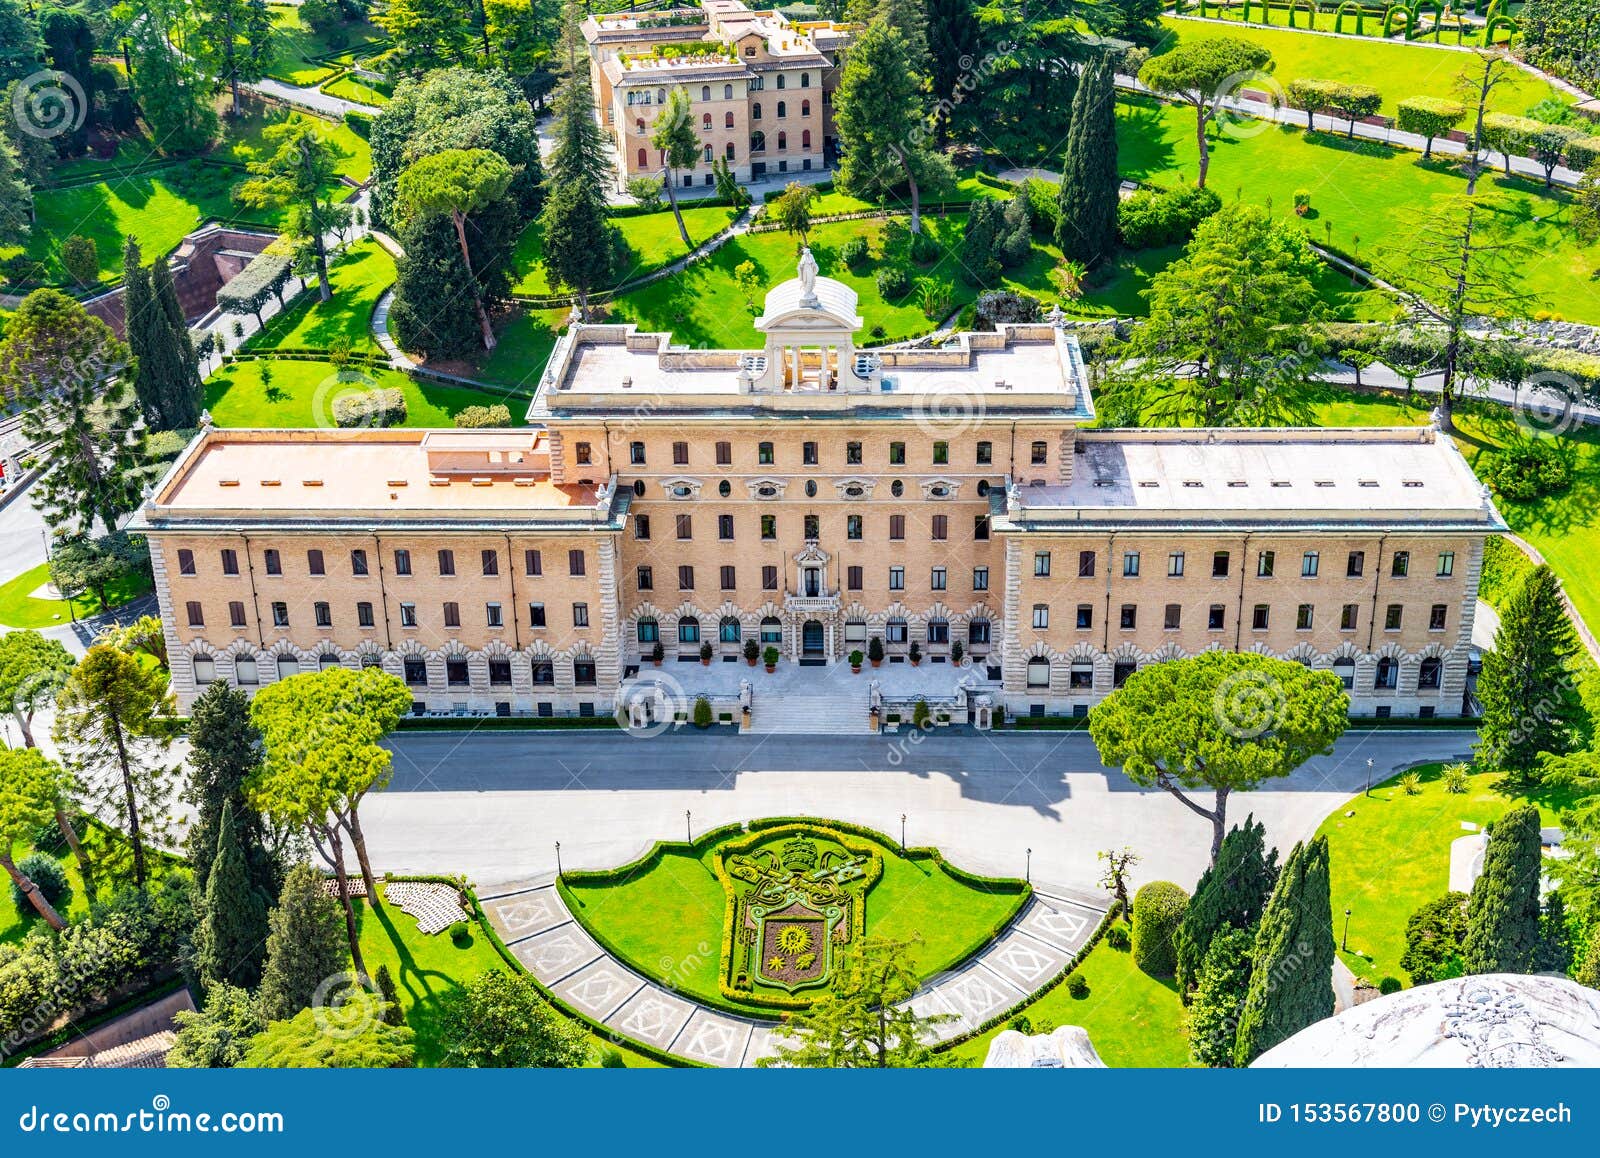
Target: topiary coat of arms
pixel 796 893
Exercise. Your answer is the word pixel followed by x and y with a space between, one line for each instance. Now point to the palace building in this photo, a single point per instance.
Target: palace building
pixel 760 87
pixel 952 502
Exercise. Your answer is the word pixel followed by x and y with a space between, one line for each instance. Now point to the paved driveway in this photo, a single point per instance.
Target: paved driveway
pixel 492 805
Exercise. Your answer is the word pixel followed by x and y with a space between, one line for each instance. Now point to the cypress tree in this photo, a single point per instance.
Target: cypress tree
pixel 1087 229
pixel 182 393
pixel 232 933
pixel 1555 937
pixel 1503 912
pixel 305 947
pixel 1231 894
pixel 1291 980
pixel 389 995
pixel 137 298
pixel 1530 704
pixel 224 752
pixel 1224 981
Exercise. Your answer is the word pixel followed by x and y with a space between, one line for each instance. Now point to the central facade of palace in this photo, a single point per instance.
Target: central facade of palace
pixel 813 497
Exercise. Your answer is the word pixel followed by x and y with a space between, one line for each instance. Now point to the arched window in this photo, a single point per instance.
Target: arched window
pixel 649 631
pixel 1428 674
pixel 1038 672
pixel 708 155
pixel 661 96
pixel 326 660
pixel 727 150
pixel 805 138
pixel 688 630
pixel 758 142
pixel 728 630
pixel 938 631
pixel 894 631
pixel 638 125
pixel 1387 675
pixel 705 123
pixel 727 120
pixel 644 159
pixel 783 109
pixel 805 108
pixel 705 92
pixel 1345 669
pixel 805 80
pixel 755 111
pixel 772 630
pixel 780 80
pixel 288 666
pixel 245 672
pixel 783 141
pixel 727 92
pixel 978 632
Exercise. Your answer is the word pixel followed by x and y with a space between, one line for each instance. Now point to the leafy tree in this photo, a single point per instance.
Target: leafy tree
pixel 882 124
pixel 230 940
pixel 68 37
pixel 217 1036
pixel 1476 85
pixel 1018 95
pixel 1086 229
pixel 674 135
pixel 175 95
pixel 81 259
pixel 299 175
pixel 1503 912
pixel 436 296
pixel 233 39
pixel 305 945
pixel 224 753
pixel 456 183
pixel 1291 978
pixel 1119 863
pixel 31 788
pixel 728 187
pixel 20 46
pixel 1221 721
pixel 520 35
pixel 1429 117
pixel 865 1019
pixel 144 636
pixel 67 366
pixel 304 1042
pixel 1228 341
pixel 1194 73
pixel 1434 937
pixel 389 994
pixel 33 671
pixel 81 564
pixel 322 731
pixel 1223 982
pixel 646 192
pixel 953 36
pixel 792 209
pixel 501 1020
pixel 1231 894
pixel 749 280
pixel 428 34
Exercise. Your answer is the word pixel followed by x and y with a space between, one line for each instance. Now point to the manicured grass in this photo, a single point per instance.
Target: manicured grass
pixel 295 44
pixel 427 967
pixel 302 393
pixel 351 88
pixel 667 920
pixel 20 608
pixel 1468 35
pixel 1131 1018
pixel 652 238
pixel 526 338
pixel 1363 188
pixel 243 140
pixel 1398 68
pixel 359 277
pixel 1393 856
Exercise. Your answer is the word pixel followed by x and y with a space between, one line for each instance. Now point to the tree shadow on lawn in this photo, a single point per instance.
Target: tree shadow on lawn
pixel 427 988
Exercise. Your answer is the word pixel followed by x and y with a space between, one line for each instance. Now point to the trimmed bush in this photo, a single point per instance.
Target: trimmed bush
pixel 893 282
pixel 1078 986
pixel 375 408
pixel 1158 909
pixel 855 251
pixel 498 414
pixel 1390 985
pixel 1117 937
pixel 1529 468
pixel 47 872
pixel 1583 152
pixel 702 712
pixel 1150 219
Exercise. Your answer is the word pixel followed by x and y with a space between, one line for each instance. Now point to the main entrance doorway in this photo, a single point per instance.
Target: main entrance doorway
pixel 811 642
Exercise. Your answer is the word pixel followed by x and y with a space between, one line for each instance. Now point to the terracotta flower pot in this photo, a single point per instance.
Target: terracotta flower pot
pixel 876 662
pixel 751 662
pixel 771 667
pixel 855 669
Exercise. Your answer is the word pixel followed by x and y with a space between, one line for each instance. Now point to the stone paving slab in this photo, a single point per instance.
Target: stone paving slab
pixel 558 953
pixel 974 994
pixel 713 1039
pixel 1067 925
pixel 1025 961
pixel 600 988
pixel 759 1046
pixel 518 916
pixel 653 1016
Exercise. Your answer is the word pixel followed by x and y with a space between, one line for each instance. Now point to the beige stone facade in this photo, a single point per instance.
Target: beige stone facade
pixel 950 502
pixel 760 87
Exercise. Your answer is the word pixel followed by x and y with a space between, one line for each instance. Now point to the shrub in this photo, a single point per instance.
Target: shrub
pixel 752 650
pixel 893 282
pixel 1529 468
pixel 855 251
pixel 995 307
pixel 611 1058
pixel 47 872
pixel 1411 783
pixel 924 249
pixel 1435 934
pixel 916 651
pixel 702 712
pixel 933 297
pixel 358 123
pixel 498 414
pixel 1302 202
pixel 646 191
pixel 705 653
pixel 461 933
pixel 1390 985
pixel 1044 205
pixel 875 649
pixel 386 407
pixel 1117 937
pixel 1078 986
pixel 81 259
pixel 770 657
pixel 1455 779
pixel 919 714
pixel 1149 219
pixel 1583 152
pixel 1158 909
pixel 855 658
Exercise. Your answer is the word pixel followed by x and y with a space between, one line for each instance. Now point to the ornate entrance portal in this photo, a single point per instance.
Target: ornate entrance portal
pixel 813 645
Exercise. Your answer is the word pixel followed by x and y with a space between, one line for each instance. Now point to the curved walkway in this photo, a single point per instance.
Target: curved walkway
pixel 1042 941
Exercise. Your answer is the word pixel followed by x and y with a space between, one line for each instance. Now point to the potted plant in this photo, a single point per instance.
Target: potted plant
pixel 916 653
pixel 855 663
pixel 919 712
pixel 752 652
pixel 656 653
pixel 770 658
pixel 957 650
pixel 702 712
pixel 875 651
pixel 705 654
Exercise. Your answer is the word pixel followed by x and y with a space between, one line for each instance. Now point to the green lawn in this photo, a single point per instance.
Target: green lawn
pixel 526 338
pixel 1131 1018
pixel 652 238
pixel 426 967
pixel 1393 856
pixel 243 140
pixel 359 277
pixel 1359 190
pixel 1398 68
pixel 668 919
pixel 351 88
pixel 20 608
pixel 302 392
pixel 295 44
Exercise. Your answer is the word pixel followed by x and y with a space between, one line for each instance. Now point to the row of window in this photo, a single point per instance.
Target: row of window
pixel 810 453
pixel 641 96
pixel 811 526
pixel 247 671
pixel 316 562
pixel 1260 617
pixel 1385 676
pixel 641 128
pixel 322 614
pixel 1266 564
pixel 730 630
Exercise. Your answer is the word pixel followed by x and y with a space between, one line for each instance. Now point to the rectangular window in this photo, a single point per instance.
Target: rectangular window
pixel 1266 562
pixel 1173 617
pixel 536 615
pixel 1216 617
pixel 364 614
pixel 493 616
pixel 500 673
pixel 1391 617
pixel 280 615
pixel 1355 564
pixel 1219 565
pixel 1260 614
pixel 941 453
pixel 1309 562
pixel 575 564
pixel 533 562
pixel 1347 617
pixel 726 573
pixel 185 561
pixel 584 454
pixel 852 578
pixel 813 527
pixel 230 561
pixel 852 527
pixel 680 454
pixel 897 578
pixel 685 577
pixel 456 673
pixel 1085 564
pixel 1085 616
pixel 1130 564
pixel 273 561
pixel 1041 564
pixel 980 528
pixel 1175 565
pixel 985 453
pixel 685 527
pixel 1400 565
pixel 196 616
pixel 808 453
pixel 641 526
pixel 491 562
pixel 1436 617
pixel 1041 616
pixel 980 578
pixel 852 453
pixel 725 527
pixel 1040 454
pixel 584 676
pixel 314 562
pixel 636 453
pixel 358 562
pixel 769 578
pixel 645 578
pixel 941 527
pixel 1130 617
pixel 416 670
pixel 769 527
pixel 1447 564
pixel 1302 617
pixel 724 454
pixel 897 527
pixel 235 613
pixel 447 562
pixel 897 454
pixel 323 614
pixel 452 614
pixel 580 615
pixel 764 454
pixel 544 674
pixel 408 615
pixel 937 579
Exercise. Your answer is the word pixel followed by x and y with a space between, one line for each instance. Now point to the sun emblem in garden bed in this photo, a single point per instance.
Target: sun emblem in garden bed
pixel 796 894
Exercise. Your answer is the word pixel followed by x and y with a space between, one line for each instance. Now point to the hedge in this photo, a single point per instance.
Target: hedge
pixel 1583 152
pixel 382 407
pixel 1158 908
pixel 502 723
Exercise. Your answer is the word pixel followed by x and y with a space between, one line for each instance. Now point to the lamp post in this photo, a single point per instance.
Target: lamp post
pixel 1369 776
pixel 902 832
pixel 1344 942
pixel 1027 873
pixel 688 819
pixel 558 859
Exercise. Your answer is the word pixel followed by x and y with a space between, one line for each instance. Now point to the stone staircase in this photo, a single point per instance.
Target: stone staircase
pixel 841 711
